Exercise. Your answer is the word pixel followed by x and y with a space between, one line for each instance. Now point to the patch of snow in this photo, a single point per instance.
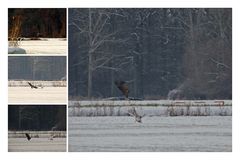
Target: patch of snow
pixel 43 95
pixel 37 145
pixel 44 46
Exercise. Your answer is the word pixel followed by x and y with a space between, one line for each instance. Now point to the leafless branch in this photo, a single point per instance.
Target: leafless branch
pixel 77 26
pixel 220 63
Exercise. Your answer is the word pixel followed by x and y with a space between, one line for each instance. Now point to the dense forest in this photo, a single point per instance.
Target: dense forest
pixel 35 22
pixel 38 118
pixel 161 53
pixel 46 68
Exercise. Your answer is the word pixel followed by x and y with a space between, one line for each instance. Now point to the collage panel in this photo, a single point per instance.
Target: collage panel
pixel 37 79
pixel 37 128
pixel 37 83
pixel 140 80
pixel 150 80
pixel 38 31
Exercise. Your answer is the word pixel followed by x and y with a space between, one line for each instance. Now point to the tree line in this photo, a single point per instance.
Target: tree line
pixel 160 52
pixel 36 22
pixel 36 118
pixel 43 68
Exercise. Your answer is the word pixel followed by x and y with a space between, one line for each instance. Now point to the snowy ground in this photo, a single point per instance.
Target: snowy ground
pixel 151 108
pixel 115 103
pixel 41 95
pixel 36 145
pixel 45 46
pixel 163 134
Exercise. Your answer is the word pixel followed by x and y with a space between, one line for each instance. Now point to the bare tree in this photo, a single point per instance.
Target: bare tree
pixel 94 25
pixel 154 50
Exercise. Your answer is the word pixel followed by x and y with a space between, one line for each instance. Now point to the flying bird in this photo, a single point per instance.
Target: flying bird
pixel 28 136
pixel 137 117
pixel 54 128
pixel 32 86
pixel 123 87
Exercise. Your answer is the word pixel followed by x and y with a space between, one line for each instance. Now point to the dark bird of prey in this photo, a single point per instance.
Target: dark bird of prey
pixel 31 85
pixel 137 117
pixel 123 87
pixel 28 136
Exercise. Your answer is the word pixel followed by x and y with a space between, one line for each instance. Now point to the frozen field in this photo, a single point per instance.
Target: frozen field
pixel 162 134
pixel 45 46
pixel 37 145
pixel 41 95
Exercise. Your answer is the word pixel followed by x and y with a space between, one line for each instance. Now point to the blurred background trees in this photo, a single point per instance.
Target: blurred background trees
pixel 161 53
pixel 37 68
pixel 35 22
pixel 38 117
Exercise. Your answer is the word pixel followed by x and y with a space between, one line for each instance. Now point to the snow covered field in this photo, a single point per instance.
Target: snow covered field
pixel 157 133
pixel 36 145
pixel 151 108
pixel 41 95
pixel 44 46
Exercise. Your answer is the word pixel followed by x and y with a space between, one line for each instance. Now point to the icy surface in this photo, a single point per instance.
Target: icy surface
pixel 164 134
pixel 41 95
pixel 37 145
pixel 13 50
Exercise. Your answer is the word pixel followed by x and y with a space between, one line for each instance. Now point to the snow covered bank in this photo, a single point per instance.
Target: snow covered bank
pixel 36 134
pixel 23 83
pixel 151 108
pixel 43 46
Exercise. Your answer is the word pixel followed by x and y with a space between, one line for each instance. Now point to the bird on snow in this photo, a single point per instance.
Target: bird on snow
pixel 32 86
pixel 28 136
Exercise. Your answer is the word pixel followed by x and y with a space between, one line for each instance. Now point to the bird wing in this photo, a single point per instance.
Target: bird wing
pixel 28 136
pixel 30 84
pixel 123 87
pixel 131 114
